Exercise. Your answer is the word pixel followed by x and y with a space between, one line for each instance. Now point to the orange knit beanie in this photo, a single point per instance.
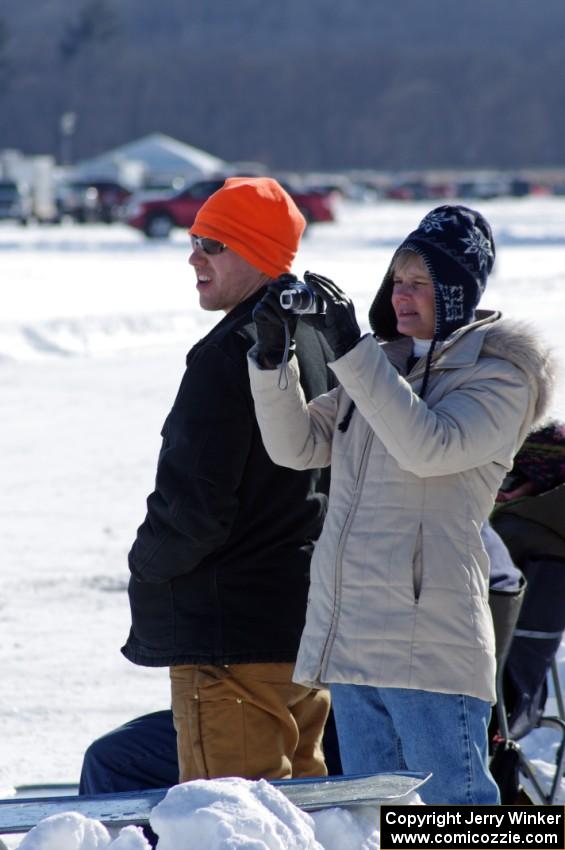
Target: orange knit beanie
pixel 257 219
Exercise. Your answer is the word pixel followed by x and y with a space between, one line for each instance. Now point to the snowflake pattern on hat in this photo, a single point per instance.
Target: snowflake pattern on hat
pixel 478 244
pixel 453 301
pixel 435 221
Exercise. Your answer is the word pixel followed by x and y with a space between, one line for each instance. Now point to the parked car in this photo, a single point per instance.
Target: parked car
pixel 15 203
pixel 92 200
pixel 157 216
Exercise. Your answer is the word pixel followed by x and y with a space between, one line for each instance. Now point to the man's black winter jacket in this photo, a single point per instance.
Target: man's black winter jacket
pixel 219 568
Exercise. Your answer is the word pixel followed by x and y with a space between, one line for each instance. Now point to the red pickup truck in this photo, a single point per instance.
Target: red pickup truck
pixel 156 216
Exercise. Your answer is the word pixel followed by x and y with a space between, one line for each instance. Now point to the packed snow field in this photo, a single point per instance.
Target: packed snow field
pixel 94 327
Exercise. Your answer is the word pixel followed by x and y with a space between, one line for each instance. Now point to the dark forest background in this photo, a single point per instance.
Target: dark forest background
pixel 325 84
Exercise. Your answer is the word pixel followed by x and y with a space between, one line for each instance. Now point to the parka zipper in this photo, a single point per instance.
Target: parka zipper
pixel 324 659
pixel 418 566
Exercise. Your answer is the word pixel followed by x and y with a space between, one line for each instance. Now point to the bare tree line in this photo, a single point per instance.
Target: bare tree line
pixel 321 84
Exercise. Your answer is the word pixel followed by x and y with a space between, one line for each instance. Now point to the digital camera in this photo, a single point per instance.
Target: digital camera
pixel 300 299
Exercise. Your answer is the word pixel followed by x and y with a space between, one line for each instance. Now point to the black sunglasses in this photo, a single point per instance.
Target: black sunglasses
pixel 209 246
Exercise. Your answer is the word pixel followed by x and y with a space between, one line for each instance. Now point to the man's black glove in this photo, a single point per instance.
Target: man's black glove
pixel 275 325
pixel 340 325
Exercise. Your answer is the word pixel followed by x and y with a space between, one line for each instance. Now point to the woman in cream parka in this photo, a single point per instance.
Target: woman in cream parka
pixel 419 433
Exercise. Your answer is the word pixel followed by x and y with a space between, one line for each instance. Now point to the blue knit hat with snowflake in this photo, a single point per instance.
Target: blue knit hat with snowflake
pixel 457 247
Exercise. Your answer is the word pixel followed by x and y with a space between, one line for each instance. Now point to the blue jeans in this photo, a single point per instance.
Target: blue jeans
pixel 140 754
pixel 390 729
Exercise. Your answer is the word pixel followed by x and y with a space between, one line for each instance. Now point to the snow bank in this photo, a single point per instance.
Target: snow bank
pixel 130 838
pixel 225 814
pixel 346 829
pixel 94 336
pixel 72 831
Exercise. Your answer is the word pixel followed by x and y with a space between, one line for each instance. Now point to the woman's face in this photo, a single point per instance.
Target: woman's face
pixel 413 297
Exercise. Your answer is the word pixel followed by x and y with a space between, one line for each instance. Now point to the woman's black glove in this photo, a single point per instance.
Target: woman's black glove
pixel 339 323
pixel 275 325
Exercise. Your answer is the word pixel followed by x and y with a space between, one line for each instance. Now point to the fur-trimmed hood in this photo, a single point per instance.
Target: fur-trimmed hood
pixel 520 343
pixel 492 336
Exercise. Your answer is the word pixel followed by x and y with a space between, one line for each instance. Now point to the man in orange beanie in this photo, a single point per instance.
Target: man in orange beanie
pixel 220 565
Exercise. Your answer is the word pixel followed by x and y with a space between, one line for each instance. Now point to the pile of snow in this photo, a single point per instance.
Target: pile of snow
pixel 72 831
pixel 350 829
pixel 220 814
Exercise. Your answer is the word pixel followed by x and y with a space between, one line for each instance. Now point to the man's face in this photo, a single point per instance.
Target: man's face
pixel 224 280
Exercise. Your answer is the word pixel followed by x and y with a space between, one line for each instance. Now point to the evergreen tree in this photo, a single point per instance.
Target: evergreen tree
pixel 4 60
pixel 96 24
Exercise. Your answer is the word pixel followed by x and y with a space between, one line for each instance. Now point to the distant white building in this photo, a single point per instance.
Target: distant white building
pixel 35 177
pixel 155 159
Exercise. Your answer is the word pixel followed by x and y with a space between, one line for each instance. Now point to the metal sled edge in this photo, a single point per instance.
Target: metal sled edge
pixel 117 810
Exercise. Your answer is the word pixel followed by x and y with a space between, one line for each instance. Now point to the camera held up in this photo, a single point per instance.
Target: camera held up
pixel 300 299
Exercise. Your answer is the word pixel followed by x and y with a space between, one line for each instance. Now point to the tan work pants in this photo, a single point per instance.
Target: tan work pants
pixel 247 720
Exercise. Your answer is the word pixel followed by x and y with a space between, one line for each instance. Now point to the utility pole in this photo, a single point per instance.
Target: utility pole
pixel 67 127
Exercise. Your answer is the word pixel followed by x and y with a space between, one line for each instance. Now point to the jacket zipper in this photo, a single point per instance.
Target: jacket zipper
pixel 324 660
pixel 418 566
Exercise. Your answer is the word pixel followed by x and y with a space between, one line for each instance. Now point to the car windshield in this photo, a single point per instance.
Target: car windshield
pixel 8 187
pixel 202 189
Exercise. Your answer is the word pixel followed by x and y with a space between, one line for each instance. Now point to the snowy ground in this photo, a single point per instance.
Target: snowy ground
pixel 94 325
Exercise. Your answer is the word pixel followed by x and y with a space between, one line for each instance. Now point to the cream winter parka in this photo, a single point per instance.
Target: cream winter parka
pixel 399 577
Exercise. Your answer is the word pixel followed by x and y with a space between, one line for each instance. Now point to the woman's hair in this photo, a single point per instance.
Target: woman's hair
pixel 403 257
